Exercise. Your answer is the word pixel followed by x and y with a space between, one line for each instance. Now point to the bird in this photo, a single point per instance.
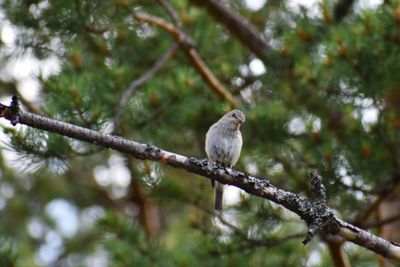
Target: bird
pixel 223 145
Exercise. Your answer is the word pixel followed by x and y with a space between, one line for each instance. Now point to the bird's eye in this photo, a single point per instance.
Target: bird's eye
pixel 234 115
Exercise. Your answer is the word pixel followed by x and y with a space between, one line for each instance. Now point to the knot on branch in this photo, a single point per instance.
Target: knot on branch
pixel 317 187
pixel 11 112
pixel 321 216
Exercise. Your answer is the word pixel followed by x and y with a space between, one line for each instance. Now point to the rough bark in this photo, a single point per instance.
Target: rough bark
pixel 319 218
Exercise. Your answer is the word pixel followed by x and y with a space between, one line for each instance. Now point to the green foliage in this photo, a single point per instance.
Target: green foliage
pixel 51 152
pixel 8 255
pixel 128 244
pixel 334 107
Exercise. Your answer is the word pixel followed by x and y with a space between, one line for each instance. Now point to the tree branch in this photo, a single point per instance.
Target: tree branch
pixel 342 8
pixel 140 81
pixel 386 189
pixel 314 213
pixel 380 223
pixel 171 12
pixel 245 32
pixel 337 253
pixel 188 46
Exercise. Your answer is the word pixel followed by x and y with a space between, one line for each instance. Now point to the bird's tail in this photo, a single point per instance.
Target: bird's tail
pixel 219 193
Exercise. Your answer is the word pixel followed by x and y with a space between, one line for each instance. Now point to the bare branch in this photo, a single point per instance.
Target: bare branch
pixel 247 34
pixel 312 212
pixel 342 8
pixel 140 81
pixel 188 46
pixel 380 223
pixel 171 12
pixel 384 191
pixel 337 253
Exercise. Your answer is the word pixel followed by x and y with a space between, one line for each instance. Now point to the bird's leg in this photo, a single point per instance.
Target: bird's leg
pixel 212 183
pixel 219 165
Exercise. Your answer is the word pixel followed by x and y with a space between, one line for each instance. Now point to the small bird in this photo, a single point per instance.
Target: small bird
pixel 223 145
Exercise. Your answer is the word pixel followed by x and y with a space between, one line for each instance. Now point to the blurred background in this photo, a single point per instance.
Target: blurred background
pixel 326 96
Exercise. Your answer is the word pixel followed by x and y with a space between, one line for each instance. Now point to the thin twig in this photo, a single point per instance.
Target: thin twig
pixel 389 186
pixel 171 12
pixel 336 250
pixel 150 73
pixel 157 115
pixel 386 189
pixel 188 46
pixel 312 212
pixel 140 81
pixel 380 223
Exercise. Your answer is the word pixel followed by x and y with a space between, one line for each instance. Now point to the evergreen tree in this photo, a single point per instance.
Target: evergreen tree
pixel 319 87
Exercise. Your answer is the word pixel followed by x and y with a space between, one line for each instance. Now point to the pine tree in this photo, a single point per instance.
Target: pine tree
pixel 319 87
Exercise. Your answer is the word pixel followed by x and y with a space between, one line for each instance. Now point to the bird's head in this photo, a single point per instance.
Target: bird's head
pixel 235 118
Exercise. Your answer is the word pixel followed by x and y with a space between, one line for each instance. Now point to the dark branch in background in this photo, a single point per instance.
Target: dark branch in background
pixel 335 247
pixel 140 81
pixel 342 8
pixel 148 211
pixel 171 12
pixel 380 223
pixel 251 38
pixel 188 46
pixel 151 72
pixel 316 214
pixel 386 189
pixel 157 115
pixel 245 32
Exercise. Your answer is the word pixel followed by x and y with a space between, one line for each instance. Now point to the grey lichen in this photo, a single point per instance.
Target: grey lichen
pixel 153 152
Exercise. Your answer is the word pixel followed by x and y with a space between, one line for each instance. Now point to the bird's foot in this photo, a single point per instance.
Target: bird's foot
pixel 227 170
